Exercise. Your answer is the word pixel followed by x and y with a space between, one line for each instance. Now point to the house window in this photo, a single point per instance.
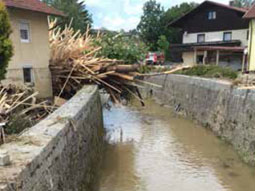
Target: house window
pixel 24 32
pixel 27 74
pixel 227 36
pixel 211 15
pixel 200 38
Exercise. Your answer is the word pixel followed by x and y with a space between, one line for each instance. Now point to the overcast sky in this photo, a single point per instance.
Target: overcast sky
pixel 124 14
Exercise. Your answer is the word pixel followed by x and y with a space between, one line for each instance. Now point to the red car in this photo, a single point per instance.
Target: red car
pixel 155 58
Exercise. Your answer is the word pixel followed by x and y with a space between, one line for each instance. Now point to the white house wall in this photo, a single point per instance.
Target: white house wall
pixel 217 36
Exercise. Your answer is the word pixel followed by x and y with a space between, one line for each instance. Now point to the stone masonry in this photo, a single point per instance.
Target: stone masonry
pixel 227 110
pixel 60 152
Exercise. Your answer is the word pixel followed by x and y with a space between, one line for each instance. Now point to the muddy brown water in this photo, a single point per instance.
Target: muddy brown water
pixel 151 149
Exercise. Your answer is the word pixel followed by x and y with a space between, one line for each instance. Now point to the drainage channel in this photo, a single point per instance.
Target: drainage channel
pixel 149 148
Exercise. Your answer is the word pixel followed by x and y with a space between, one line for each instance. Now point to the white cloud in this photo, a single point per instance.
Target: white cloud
pixel 133 9
pixel 117 23
pixel 93 2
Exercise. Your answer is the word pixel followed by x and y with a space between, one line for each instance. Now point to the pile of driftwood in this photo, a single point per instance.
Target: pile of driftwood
pixel 75 63
pixel 16 101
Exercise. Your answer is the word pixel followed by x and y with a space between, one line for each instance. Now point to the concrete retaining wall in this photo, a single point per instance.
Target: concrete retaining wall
pixel 61 151
pixel 228 111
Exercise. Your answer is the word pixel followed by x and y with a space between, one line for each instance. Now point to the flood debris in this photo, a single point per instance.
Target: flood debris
pixel 20 108
pixel 75 62
pixel 4 158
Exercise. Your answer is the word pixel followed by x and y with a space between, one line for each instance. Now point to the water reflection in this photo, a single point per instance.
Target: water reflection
pixel 150 149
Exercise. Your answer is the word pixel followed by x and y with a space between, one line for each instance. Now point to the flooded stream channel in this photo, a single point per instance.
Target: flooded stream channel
pixel 151 149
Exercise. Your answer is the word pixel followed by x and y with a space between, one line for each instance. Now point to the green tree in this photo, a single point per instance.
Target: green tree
pixel 243 3
pixel 122 46
pixel 75 11
pixel 150 27
pixel 6 49
pixel 163 44
pixel 174 35
pixel 155 23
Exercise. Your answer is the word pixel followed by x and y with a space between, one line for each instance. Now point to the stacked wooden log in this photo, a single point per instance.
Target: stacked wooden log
pixel 75 63
pixel 17 101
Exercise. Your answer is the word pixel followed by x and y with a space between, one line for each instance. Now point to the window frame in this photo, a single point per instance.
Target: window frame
pixel 225 33
pixel 212 15
pixel 31 81
pixel 25 22
pixel 198 35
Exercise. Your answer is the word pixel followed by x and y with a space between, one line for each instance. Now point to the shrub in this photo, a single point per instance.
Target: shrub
pixel 6 49
pixel 17 124
pixel 210 71
pixel 163 44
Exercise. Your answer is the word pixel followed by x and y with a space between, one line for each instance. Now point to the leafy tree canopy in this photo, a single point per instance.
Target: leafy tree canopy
pixel 6 49
pixel 155 23
pixel 150 26
pixel 75 11
pixel 243 3
pixel 163 44
pixel 175 35
pixel 122 46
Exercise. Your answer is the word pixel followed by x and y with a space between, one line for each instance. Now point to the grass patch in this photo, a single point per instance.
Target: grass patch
pixel 210 72
pixel 153 69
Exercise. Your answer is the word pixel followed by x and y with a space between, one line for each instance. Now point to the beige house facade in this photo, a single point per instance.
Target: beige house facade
pixel 30 63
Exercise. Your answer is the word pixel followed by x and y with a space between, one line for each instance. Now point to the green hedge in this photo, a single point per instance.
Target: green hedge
pixel 210 71
pixel 6 49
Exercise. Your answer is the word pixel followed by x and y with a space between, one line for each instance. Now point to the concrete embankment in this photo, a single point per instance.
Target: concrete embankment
pixel 60 152
pixel 228 111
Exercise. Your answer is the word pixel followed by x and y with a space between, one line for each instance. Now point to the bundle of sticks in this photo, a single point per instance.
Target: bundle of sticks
pixel 17 101
pixel 75 62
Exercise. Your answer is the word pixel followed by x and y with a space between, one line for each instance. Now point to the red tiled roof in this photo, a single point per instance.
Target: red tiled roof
pixel 250 14
pixel 33 5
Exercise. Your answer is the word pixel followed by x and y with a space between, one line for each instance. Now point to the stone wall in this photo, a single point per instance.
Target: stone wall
pixel 60 152
pixel 228 111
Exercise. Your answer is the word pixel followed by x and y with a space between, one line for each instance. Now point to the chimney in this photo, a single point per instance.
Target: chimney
pixel 231 3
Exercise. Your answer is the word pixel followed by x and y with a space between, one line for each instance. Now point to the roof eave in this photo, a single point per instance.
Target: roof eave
pixel 250 14
pixel 174 23
pixel 59 14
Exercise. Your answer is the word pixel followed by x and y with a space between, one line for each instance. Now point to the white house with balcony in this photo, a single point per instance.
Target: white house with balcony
pixel 213 33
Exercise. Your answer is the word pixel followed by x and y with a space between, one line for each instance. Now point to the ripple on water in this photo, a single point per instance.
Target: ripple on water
pixel 151 150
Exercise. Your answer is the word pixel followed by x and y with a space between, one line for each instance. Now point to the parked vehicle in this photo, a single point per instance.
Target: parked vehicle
pixel 155 58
